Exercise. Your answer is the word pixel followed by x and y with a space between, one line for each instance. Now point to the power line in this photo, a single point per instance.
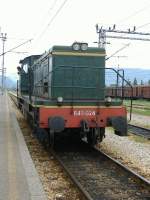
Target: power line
pixel 135 13
pixel 49 10
pixel 52 6
pixel 16 47
pixel 143 25
pixel 125 46
pixel 15 38
pixel 52 19
pixel 19 52
pixel 3 70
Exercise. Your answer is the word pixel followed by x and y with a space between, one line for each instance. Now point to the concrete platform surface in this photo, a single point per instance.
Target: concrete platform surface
pixel 18 177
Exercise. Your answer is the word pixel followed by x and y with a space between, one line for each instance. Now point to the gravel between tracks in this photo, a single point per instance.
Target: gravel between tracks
pixel 55 182
pixel 136 155
pixel 140 120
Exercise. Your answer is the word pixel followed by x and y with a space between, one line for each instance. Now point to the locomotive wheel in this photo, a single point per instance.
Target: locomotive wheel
pixel 51 139
pixel 92 136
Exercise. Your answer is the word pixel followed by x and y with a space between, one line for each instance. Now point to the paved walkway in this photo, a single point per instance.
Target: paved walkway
pixel 18 177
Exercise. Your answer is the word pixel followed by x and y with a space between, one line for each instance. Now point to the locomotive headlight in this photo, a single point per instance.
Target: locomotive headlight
pixel 84 46
pixel 59 99
pixel 76 46
pixel 108 100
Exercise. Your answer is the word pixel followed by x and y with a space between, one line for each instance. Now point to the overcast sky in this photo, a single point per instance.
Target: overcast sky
pixel 39 20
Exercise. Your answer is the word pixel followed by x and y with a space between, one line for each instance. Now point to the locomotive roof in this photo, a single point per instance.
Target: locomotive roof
pixel 69 49
pixel 29 58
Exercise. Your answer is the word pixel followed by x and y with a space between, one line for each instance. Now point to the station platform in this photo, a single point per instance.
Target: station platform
pixel 19 179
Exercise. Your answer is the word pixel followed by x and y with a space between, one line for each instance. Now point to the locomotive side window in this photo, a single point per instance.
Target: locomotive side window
pixel 25 68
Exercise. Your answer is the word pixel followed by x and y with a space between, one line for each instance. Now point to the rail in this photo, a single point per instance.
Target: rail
pixel 144 132
pixel 93 170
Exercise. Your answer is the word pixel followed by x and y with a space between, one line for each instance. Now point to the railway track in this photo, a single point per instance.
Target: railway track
pixel 99 176
pixel 139 131
pixel 14 98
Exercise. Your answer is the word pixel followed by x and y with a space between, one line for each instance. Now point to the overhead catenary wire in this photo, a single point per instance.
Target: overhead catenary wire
pixel 52 6
pixel 14 38
pixel 10 50
pixel 141 26
pixel 52 19
pixel 117 51
pixel 19 52
pixel 48 13
pixel 134 13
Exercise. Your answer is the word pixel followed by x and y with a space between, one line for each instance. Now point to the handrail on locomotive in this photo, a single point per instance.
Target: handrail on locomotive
pixel 116 86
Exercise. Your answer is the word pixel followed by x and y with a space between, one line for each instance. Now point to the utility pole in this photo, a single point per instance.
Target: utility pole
pixel 119 34
pixel 3 70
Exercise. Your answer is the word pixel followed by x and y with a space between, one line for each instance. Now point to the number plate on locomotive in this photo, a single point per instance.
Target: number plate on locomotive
pixel 84 113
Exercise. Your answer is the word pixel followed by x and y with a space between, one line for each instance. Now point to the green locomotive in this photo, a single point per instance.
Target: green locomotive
pixel 64 89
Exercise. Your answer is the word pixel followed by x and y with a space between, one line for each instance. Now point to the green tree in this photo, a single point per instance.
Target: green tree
pixel 142 82
pixel 135 81
pixel 148 82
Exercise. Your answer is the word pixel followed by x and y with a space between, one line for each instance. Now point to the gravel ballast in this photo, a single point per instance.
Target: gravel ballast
pixel 140 120
pixel 56 183
pixel 136 155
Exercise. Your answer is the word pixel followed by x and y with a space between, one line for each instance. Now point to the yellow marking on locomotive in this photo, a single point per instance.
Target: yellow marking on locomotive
pixel 78 54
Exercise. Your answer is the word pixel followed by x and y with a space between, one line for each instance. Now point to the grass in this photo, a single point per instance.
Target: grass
pixel 138 139
pixel 141 102
pixel 141 107
pixel 141 112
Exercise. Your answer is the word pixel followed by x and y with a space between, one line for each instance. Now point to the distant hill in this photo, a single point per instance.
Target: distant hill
pixel 10 82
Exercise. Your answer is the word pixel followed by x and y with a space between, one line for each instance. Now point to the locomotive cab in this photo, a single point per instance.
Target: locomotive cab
pixel 26 75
